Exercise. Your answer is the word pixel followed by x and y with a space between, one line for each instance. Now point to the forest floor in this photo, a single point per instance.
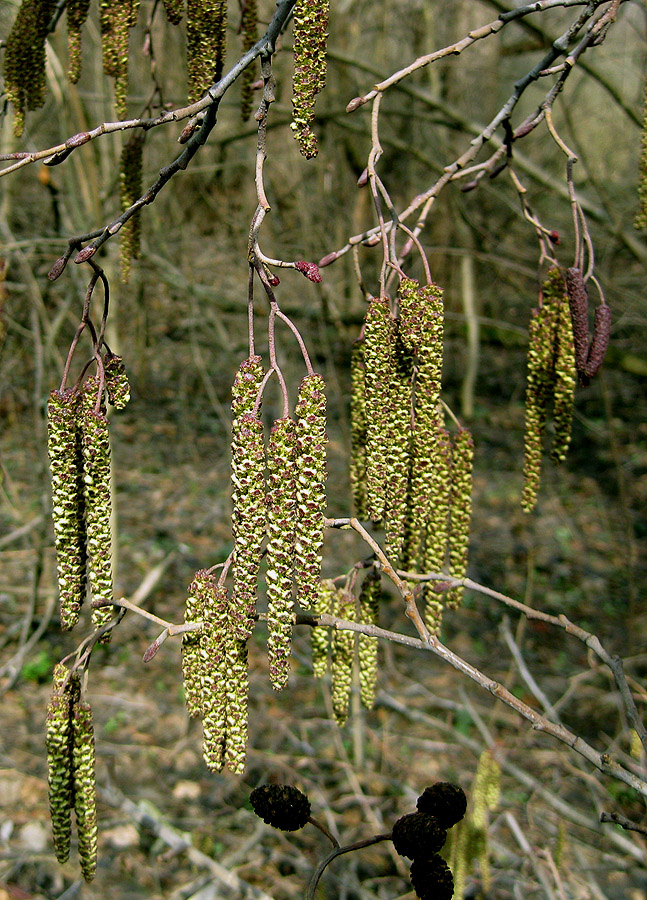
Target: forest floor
pixel 169 828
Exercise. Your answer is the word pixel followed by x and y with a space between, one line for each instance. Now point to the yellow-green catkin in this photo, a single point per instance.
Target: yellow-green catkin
pixel 460 511
pixel 193 670
pixel 58 740
pixel 116 17
pixel 248 517
pixel 422 320
pixel 77 13
pixel 281 512
pixel 310 38
pixel 237 687
pixel 24 59
pixel 358 430
pixel 379 340
pixel 485 798
pixel 95 445
pixel 343 654
pixel 130 183
pixel 369 605
pixel 117 384
pixel 398 451
pixel 311 487
pixel 320 635
pixel 437 529
pixel 212 673
pixel 249 30
pixel 539 389
pixel 64 449
pixel 206 40
pixel 565 379
pixel 85 804
pixel 640 219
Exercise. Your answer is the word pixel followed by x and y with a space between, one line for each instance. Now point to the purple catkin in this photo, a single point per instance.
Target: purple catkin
pixel 578 302
pixel 599 341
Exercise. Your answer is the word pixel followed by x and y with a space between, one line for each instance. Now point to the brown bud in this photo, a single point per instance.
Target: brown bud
pixel 469 186
pixel 555 237
pixel 578 302
pixel 57 268
pixel 355 103
pixel 599 341
pixel 85 254
pixel 328 258
pixel 362 181
pixel 77 140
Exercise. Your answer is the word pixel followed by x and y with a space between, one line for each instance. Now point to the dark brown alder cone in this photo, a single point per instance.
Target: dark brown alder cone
pixel 599 341
pixel 578 301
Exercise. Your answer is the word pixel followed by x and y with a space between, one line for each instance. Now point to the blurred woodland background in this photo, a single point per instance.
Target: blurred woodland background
pixel 181 325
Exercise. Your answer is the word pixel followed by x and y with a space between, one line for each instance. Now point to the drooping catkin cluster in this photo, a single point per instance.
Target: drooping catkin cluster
pixel 79 455
pixel 310 39
pixel 343 658
pixel 116 18
pixel 291 513
pixel 640 219
pixel 551 377
pixel 206 44
pixel 401 466
pixel 281 510
pixel 24 61
pixel 249 30
pixel 214 668
pixel 77 13
pixel 69 738
pixel 130 187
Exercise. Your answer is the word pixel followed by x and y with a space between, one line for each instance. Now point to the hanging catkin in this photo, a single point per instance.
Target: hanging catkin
pixel 117 384
pixel 579 304
pixel 24 59
pixel 212 668
pixel 460 511
pixel 437 527
pixel 281 512
pixel 310 38
pixel 320 635
pixel 85 804
pixel 358 430
pixel 58 740
pixel 193 669
pixel 599 341
pixel 116 18
pixel 640 219
pixel 130 184
pixel 64 449
pixel 249 30
pixel 206 37
pixel 369 605
pixel 95 445
pixel 398 453
pixel 565 376
pixel 311 487
pixel 379 339
pixel 248 517
pixel 77 13
pixel 343 653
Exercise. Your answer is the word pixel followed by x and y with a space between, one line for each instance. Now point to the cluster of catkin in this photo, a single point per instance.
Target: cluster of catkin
pixel 340 651
pixel 214 667
pixel 79 456
pixel 310 40
pixel 551 378
pixel 70 766
pixel 408 473
pixel 278 499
